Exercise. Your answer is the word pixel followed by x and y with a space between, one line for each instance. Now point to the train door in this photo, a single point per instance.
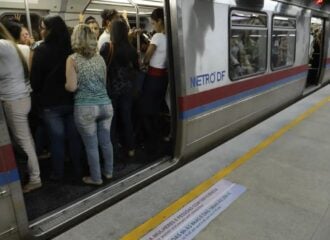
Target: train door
pixel 13 220
pixel 315 54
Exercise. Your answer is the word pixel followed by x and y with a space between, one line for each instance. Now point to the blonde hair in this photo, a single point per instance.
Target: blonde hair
pixel 84 41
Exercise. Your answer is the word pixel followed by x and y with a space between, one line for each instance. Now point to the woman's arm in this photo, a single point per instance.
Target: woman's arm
pixel 150 51
pixel 71 75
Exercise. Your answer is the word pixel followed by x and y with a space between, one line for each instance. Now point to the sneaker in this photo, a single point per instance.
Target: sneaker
pixel 89 180
pixel 31 186
pixel 106 175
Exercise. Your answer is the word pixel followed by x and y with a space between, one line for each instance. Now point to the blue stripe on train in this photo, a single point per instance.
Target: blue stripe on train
pixel 235 98
pixel 8 177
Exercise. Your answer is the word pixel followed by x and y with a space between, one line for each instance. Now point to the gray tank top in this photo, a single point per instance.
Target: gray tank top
pixel 91 77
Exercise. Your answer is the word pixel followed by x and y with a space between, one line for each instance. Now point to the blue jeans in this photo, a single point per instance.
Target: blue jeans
pixel 93 123
pixel 61 127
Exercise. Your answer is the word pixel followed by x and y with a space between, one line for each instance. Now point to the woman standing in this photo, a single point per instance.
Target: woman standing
pixel 108 16
pixel 122 69
pixel 16 31
pixel 94 26
pixel 55 103
pixel 86 76
pixel 15 97
pixel 155 84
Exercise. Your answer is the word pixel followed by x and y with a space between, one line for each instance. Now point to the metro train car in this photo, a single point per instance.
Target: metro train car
pixel 231 64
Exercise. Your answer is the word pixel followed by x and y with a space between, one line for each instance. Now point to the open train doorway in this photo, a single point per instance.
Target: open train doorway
pixel 315 54
pixel 63 199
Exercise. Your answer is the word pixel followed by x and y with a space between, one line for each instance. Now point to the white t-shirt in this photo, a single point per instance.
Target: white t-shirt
pixel 25 50
pixel 105 37
pixel 12 83
pixel 159 58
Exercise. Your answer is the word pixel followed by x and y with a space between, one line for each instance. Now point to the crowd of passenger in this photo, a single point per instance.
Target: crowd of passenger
pixel 315 46
pixel 82 90
pixel 245 55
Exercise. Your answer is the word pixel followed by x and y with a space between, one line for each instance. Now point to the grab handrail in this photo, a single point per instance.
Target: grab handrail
pixel 28 18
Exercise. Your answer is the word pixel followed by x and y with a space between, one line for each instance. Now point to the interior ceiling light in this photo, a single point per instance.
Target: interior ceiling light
pixel 113 2
pixel 129 12
pixel 156 3
pixel 94 10
pixel 149 3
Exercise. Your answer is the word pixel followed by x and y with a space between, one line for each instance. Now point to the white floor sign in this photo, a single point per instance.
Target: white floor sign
pixel 191 219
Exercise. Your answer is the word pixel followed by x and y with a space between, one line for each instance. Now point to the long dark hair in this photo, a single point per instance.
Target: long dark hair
pixel 119 33
pixel 157 14
pixel 122 49
pixel 108 15
pixel 14 29
pixel 57 33
pixel 4 34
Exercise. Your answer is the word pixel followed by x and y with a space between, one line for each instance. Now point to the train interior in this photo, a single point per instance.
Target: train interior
pixel 55 196
pixel 316 45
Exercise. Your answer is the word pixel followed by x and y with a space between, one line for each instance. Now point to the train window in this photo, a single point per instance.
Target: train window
pixel 284 22
pixel 248 41
pixel 239 18
pixel 283 42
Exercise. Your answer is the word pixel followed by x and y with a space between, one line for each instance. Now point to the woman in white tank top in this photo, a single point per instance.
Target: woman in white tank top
pixel 156 81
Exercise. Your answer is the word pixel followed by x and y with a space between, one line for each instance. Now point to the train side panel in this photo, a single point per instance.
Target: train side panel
pixel 214 108
pixel 13 220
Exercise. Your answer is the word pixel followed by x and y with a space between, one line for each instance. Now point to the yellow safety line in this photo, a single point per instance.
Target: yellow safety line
pixel 184 200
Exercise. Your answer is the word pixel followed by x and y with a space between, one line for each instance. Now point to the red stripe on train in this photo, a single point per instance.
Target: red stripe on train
pixel 202 98
pixel 7 158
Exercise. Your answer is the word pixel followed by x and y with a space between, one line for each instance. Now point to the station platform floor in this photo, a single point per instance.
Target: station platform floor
pixel 284 164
